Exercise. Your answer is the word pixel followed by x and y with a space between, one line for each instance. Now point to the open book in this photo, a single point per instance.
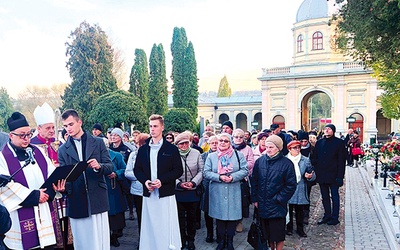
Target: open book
pixel 69 173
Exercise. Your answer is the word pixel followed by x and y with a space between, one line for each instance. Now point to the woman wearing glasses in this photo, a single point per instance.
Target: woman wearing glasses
pixel 170 137
pixel 304 172
pixel 240 144
pixel 224 169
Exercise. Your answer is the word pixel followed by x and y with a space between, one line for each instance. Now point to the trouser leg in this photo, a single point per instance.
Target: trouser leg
pixel 326 200
pixel 335 201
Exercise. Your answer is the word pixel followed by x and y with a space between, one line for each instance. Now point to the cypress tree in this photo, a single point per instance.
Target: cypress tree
pixel 184 72
pixel 224 89
pixel 139 78
pixel 158 94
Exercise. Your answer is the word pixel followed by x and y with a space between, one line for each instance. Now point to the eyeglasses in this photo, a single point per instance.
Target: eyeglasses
pixel 214 142
pixel 297 147
pixel 225 141
pixel 238 137
pixel 23 136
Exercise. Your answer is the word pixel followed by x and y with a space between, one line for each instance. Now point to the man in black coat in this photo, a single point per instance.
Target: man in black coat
pixel 87 196
pixel 330 157
pixel 158 165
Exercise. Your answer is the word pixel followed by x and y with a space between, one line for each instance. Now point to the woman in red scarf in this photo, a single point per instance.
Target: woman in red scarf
pixel 224 169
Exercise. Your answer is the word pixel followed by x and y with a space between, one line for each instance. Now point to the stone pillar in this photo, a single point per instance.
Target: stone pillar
pixel 371 130
pixel 250 119
pixel 338 106
pixel 232 118
pixel 291 106
pixel 266 115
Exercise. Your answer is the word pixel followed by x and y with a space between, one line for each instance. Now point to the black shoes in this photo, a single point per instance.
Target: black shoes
pixel 289 232
pixel 333 222
pixel 191 246
pixel 301 233
pixel 323 221
pixel 209 239
pixel 114 241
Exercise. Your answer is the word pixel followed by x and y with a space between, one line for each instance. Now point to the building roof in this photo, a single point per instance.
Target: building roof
pixel 312 9
pixel 224 100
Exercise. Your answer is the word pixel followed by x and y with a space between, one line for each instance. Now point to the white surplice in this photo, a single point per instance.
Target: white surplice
pixel 95 228
pixel 160 224
pixel 14 193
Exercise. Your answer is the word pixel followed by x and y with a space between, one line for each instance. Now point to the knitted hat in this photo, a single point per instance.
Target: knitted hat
pixel 182 137
pixel 293 144
pixel 312 132
pixel 276 140
pixel 330 125
pixel 118 132
pixel 274 126
pixel 17 120
pixel 43 114
pixel 302 135
pixel 227 123
pixel 263 134
pixel 98 127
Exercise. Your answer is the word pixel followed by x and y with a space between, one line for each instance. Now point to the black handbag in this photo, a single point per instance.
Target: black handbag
pixel 200 189
pixel 255 236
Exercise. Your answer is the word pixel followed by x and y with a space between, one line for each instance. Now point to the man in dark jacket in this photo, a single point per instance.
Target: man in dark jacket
pixel 330 160
pixel 158 165
pixel 286 138
pixel 273 183
pixel 87 195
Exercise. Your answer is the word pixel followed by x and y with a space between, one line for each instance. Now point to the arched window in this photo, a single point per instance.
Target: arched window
pixel 317 41
pixel 300 43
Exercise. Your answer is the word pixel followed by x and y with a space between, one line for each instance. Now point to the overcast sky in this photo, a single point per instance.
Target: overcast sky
pixel 230 37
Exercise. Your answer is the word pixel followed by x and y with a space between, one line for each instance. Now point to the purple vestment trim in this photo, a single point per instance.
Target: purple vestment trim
pixel 26 215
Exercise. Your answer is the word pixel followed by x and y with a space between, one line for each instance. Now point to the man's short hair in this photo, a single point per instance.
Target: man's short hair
pixel 70 112
pixel 157 117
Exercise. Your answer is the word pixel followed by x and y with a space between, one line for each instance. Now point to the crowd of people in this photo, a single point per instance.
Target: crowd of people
pixel 167 178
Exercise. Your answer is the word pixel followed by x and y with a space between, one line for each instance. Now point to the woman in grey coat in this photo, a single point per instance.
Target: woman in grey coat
pixel 224 169
pixel 304 172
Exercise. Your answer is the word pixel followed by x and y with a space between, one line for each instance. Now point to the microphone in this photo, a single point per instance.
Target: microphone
pixel 29 151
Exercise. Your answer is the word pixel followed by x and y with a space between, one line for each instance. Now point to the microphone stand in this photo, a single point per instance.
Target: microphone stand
pixel 5 179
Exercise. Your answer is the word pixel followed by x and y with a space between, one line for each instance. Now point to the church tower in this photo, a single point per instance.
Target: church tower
pixel 313 35
pixel 321 85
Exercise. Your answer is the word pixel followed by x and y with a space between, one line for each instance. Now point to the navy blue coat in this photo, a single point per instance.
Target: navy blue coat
pixel 90 187
pixel 169 167
pixel 329 159
pixel 273 183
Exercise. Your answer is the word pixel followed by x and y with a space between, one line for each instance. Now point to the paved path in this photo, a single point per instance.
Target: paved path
pixel 359 226
pixel 363 227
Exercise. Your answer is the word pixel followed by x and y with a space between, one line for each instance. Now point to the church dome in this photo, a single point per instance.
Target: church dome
pixel 311 9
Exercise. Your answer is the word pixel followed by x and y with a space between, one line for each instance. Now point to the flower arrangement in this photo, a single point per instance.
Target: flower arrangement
pixel 390 158
pixel 368 153
pixel 391 149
